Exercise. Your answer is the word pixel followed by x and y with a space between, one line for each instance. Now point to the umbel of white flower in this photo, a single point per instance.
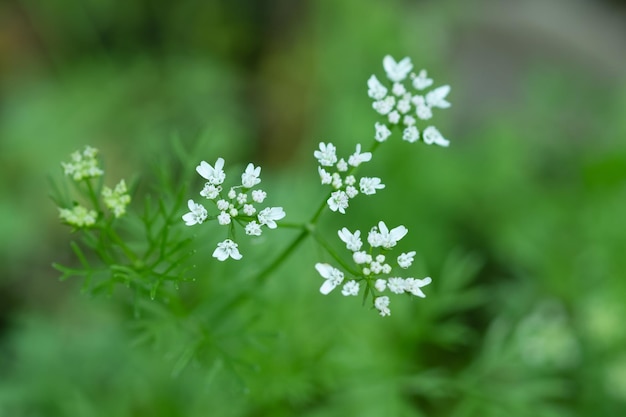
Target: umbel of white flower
pixel 403 107
pixel 337 173
pixel 238 205
pixel 83 165
pixel 374 268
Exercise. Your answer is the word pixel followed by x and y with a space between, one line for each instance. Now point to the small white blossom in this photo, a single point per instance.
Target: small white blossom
pixel 352 240
pixel 232 193
pixel 432 136
pixel 382 132
pixel 258 196
pixel 366 271
pixel 357 158
pixel 227 249
pixel 380 258
pixel 423 112
pixel 394 117
pixel 398 89
pixel 437 97
pixel 253 229
pixel 116 199
pixel 382 305
pixel 381 236
pixel 249 209
pixel 410 134
pixel 222 205
pixel 242 198
pixel 414 286
pixel 386 269
pixel 385 105
pixel 325 176
pixel 421 81
pixel 380 285
pixel 197 214
pixel 78 216
pixel 250 177
pixel 369 185
pixel 376 268
pixel 376 90
pixel 405 260
pixel 233 212
pixel 210 191
pixel 336 181
pixel 350 180
pixel 351 191
pixel 326 155
pixel 338 201
pixel 83 166
pixel 333 277
pixel 269 215
pixel 397 71
pixel 408 120
pixel 223 218
pixel 342 165
pixel 350 288
pixel 404 105
pixel 214 175
pixel 396 285
pixel 361 257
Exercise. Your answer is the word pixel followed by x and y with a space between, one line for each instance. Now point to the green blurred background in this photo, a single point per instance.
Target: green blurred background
pixel 520 222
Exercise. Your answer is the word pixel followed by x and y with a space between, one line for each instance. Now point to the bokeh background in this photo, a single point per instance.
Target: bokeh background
pixel 521 222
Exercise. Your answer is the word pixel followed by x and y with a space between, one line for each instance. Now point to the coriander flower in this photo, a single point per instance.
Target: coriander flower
pixel 116 199
pixel 197 214
pixel 258 196
pixel 395 285
pixel 357 157
pixel 227 249
pixel 414 286
pixel 250 177
pixel 78 216
pixel 421 81
pixel 432 136
pixel 83 165
pixel 333 277
pixel 253 229
pixel 326 155
pixel 376 90
pixel 405 260
pixel 381 236
pixel 410 134
pixel 397 71
pixel 350 288
pixel 214 175
pixel 369 185
pixel 269 215
pixel 352 240
pixel 382 132
pixel 437 97
pixel 338 201
pixel 210 191
pixel 223 218
pixel 382 305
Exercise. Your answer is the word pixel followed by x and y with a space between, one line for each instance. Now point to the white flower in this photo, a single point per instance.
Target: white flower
pixel 376 90
pixel 398 89
pixel 342 165
pixel 384 237
pixel 382 132
pixel 325 176
pixel 338 201
pixel 197 214
pixel 227 249
pixel 380 285
pixel 242 198
pixel 269 215
pixel 380 258
pixel 78 216
pixel 232 193
pixel 376 268
pixel 382 305
pixel 250 177
pixel 385 105
pixel 404 105
pixel 210 191
pixel 352 240
pixel 411 134
pixel 350 288
pixel 333 277
pixel 258 196
pixel 394 117
pixel 83 166
pixel 437 97
pixel 396 285
pixel 423 112
pixel 336 181
pixel 369 185
pixel 253 229
pixel 408 120
pixel 357 157
pixel 223 218
pixel 214 176
pixel 421 81
pixel 350 180
pixel 249 209
pixel 406 259
pixel 351 191
pixel 326 155
pixel 414 286
pixel 361 257
pixel 431 135
pixel 233 212
pixel 116 199
pixel 222 205
pixel 397 71
pixel 386 269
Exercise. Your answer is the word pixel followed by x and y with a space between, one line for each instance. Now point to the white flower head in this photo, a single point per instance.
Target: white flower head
pixel 376 90
pixel 369 185
pixel 227 249
pixel 83 165
pixel 214 175
pixel 408 120
pixel 352 240
pixel 325 176
pixel 437 97
pixel 410 134
pixel 258 196
pixel 326 155
pixel 197 214
pixel 338 201
pixel 222 205
pixel 232 194
pixel 350 288
pixel 394 117
pixel 397 71
pixel 342 165
pixel 210 191
pixel 253 229
pixel 269 215
pixel 405 260
pixel 381 236
pixel 414 286
pixel 116 199
pixel 398 89
pixel 385 105
pixel 404 105
pixel 248 209
pixel 424 112
pixel 223 218
pixel 357 157
pixel 333 277
pixel 361 257
pixel 380 285
pixel 396 285
pixel 351 191
pixel 382 132
pixel 421 81
pixel 432 136
pixel 78 216
pixel 250 177
pixel 382 305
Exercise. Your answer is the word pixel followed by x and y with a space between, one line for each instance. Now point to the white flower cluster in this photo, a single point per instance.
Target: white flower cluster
pixel 402 107
pixel 339 177
pixel 78 216
pixel 83 165
pixel 116 199
pixel 374 270
pixel 238 204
